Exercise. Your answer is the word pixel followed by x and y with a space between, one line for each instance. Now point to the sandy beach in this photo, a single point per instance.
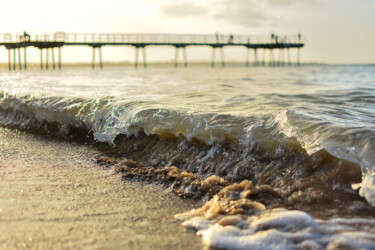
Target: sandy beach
pixel 53 196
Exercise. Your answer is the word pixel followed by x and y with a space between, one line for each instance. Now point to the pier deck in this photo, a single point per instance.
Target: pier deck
pixel 141 41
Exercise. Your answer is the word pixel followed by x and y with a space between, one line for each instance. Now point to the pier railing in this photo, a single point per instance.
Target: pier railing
pixel 158 39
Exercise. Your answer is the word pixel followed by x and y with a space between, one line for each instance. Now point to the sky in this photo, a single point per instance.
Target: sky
pixel 335 31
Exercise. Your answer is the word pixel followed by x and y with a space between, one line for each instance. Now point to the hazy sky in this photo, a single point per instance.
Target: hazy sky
pixel 336 31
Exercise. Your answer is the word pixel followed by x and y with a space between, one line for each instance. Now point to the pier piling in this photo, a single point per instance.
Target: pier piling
pixel 59 58
pixel 185 57
pixel 24 57
pixel 222 57
pixel 47 59
pixel 41 58
pixel 271 58
pixel 136 57
pixel 100 57
pixel 19 59
pixel 298 59
pixel 176 57
pixel 9 61
pixel 183 54
pixel 53 58
pixel 14 59
pixel 144 56
pixel 93 58
pixel 247 57
pixel 264 57
pixel 213 56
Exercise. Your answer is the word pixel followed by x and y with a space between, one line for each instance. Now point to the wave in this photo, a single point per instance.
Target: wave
pixel 305 159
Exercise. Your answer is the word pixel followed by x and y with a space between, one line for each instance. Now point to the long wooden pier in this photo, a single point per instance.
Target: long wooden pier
pixel 50 42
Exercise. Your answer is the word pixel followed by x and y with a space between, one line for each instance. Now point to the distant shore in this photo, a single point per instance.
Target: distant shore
pixel 36 65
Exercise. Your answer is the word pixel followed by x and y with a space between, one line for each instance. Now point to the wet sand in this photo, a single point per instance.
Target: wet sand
pixel 53 196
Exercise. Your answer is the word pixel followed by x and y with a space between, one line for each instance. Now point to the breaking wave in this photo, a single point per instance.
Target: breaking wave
pixel 284 150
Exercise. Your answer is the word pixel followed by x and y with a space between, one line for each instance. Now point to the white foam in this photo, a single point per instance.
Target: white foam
pixel 283 220
pixel 234 238
pixel 352 240
pixel 197 223
pixel 367 187
pixel 283 229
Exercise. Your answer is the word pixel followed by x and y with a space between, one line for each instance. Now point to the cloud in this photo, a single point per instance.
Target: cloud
pixel 288 2
pixel 185 9
pixel 241 12
pixel 251 13
pixel 245 13
pixel 282 2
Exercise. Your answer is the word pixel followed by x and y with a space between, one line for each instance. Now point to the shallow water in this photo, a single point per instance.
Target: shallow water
pixel 305 132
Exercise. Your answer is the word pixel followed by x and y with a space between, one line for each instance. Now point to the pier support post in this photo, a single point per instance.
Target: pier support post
pixel 19 59
pixel 53 58
pixel 41 59
pixel 280 55
pixel 9 61
pixel 271 62
pixel 185 57
pixel 24 55
pixel 247 57
pixel 298 59
pixel 144 57
pixel 283 57
pixel 137 54
pixel 100 57
pixel 93 58
pixel 213 57
pixel 59 58
pixel 47 58
pixel 264 57
pixel 289 62
pixel 176 58
pixel 136 57
pixel 183 54
pixel 255 58
pixel 14 59
pixel 222 57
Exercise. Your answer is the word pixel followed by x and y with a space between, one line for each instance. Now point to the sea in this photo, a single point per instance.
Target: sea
pixel 281 157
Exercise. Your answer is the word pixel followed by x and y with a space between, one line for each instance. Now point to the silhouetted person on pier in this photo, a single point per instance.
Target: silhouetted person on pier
pixel 299 36
pixel 217 37
pixel 26 36
pixel 230 40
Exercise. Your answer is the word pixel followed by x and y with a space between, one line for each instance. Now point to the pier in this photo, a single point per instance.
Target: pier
pixel 49 43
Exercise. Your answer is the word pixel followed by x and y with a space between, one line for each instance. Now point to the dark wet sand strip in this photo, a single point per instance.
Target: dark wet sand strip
pixel 53 196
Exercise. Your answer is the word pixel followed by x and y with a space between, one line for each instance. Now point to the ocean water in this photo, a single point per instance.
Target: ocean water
pixel 284 156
